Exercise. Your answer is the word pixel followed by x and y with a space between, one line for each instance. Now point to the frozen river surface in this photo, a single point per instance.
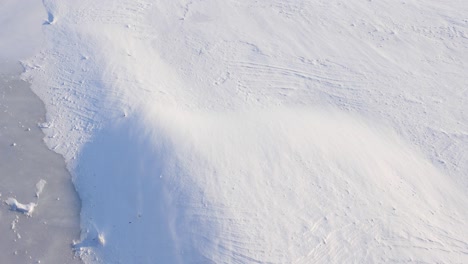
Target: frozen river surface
pixel 36 177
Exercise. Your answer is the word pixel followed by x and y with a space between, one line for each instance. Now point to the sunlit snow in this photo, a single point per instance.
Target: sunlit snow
pixel 242 131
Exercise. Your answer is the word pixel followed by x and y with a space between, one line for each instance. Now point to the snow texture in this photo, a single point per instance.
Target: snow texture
pixel 26 209
pixel 261 131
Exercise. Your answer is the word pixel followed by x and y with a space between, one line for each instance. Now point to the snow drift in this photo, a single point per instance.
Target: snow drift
pixel 231 131
pixel 264 186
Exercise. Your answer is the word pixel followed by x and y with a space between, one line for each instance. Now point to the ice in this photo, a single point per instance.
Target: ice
pixel 21 29
pixel 30 217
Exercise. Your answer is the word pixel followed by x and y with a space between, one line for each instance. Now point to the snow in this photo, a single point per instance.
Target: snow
pixel 26 209
pixel 261 131
pixel 40 187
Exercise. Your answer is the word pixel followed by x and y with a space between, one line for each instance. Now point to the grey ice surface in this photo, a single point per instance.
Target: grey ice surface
pixel 47 235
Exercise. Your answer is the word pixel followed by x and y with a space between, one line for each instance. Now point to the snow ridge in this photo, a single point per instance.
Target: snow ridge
pixel 231 131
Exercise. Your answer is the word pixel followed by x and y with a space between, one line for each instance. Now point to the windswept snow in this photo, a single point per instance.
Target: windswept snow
pixel 261 131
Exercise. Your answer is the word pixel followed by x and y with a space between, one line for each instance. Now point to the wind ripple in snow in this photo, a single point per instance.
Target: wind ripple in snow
pixel 288 185
pixel 219 180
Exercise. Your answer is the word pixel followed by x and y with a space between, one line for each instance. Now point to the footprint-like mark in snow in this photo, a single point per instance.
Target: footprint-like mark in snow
pixel 51 19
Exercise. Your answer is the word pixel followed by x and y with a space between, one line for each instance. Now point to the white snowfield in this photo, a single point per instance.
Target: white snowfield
pixel 241 131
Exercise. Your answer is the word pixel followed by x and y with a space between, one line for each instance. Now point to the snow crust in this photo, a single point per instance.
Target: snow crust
pixel 261 131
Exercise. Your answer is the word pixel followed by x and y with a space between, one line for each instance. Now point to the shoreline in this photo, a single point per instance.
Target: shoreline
pixel 33 176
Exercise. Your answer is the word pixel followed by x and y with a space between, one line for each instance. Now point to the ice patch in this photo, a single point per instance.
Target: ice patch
pixel 21 28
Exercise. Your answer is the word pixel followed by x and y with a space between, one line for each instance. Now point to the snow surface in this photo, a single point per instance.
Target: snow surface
pixel 26 209
pixel 261 131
